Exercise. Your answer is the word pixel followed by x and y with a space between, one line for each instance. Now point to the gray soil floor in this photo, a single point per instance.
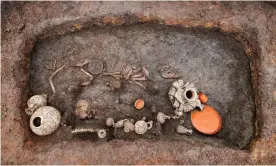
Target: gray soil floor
pixel 214 62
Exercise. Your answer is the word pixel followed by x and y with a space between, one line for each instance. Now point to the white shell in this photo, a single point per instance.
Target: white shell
pixel 141 127
pixel 35 102
pixel 45 120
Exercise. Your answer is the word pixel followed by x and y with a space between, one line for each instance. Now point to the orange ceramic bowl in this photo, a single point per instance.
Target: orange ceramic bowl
pixel 206 121
pixel 139 104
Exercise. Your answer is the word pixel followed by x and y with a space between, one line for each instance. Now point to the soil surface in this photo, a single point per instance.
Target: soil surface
pixel 230 47
pixel 215 63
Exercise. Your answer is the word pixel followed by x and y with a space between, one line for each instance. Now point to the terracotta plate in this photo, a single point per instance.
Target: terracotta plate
pixel 206 121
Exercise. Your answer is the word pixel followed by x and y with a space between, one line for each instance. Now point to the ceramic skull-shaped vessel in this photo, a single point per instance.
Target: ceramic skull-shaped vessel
pixel 184 97
pixel 45 120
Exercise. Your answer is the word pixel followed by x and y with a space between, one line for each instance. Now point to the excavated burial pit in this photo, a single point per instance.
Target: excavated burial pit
pixel 216 63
